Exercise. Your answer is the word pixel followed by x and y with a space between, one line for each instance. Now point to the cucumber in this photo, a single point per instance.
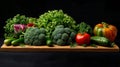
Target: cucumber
pixel 17 41
pixel 103 41
pixel 8 41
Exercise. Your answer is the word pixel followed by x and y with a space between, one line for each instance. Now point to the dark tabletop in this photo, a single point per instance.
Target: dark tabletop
pixel 59 59
pixel 90 11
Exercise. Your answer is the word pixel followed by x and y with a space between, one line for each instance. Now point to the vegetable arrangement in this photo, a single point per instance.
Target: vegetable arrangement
pixel 56 28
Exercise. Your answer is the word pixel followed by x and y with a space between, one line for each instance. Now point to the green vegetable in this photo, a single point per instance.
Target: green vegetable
pixel 84 27
pixel 9 27
pixel 49 20
pixel 63 35
pixel 17 42
pixel 49 43
pixel 35 36
pixel 31 20
pixel 8 41
pixel 103 41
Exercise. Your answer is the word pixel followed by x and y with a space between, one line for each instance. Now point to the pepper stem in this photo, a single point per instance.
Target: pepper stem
pixel 105 24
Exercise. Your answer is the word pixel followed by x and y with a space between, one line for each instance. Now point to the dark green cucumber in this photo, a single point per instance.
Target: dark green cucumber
pixel 17 41
pixel 8 41
pixel 103 41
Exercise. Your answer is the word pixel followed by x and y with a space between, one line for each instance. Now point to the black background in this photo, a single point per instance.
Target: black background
pixel 90 11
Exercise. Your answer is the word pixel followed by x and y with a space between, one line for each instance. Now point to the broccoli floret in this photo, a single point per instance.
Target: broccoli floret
pixel 41 36
pixel 57 31
pixel 27 41
pixel 42 30
pixel 60 42
pixel 59 26
pixel 37 43
pixel 72 35
pixel 63 36
pixel 34 36
pixel 60 30
pixel 67 30
pixel 69 41
pixel 57 36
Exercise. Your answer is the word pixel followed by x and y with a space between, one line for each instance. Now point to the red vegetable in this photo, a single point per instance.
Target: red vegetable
pixel 82 38
pixel 19 28
pixel 30 25
pixel 107 30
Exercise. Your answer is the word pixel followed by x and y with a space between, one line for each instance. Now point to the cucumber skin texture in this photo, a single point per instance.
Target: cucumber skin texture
pixel 8 41
pixel 17 41
pixel 103 41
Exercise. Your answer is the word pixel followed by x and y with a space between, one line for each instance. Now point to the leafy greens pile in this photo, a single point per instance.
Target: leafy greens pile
pixel 17 19
pixel 52 18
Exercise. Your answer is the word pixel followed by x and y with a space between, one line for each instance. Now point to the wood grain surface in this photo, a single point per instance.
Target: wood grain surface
pixel 57 48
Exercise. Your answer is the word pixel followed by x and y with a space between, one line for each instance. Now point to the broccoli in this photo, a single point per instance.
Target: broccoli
pixel 63 35
pixel 35 36
pixel 42 30
pixel 60 42
pixel 50 19
pixel 59 26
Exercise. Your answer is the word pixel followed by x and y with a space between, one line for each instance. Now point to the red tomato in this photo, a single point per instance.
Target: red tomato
pixel 30 25
pixel 82 38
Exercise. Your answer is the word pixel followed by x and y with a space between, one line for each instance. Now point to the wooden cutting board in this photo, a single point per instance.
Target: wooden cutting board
pixel 57 48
